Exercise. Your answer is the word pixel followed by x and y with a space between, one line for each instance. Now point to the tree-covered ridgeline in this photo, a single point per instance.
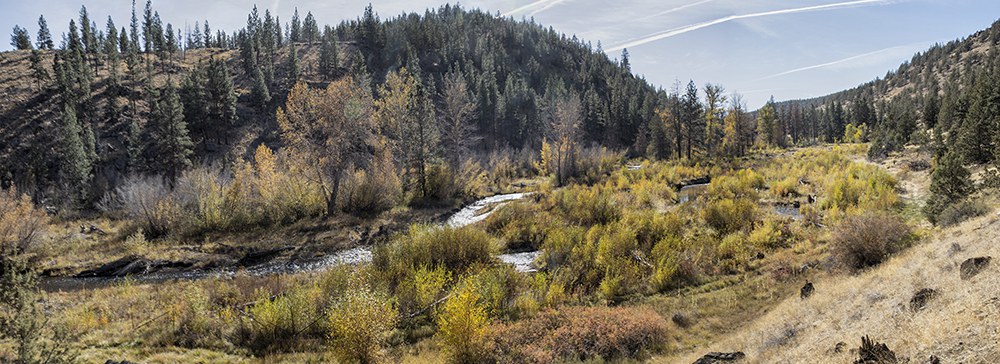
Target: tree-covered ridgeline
pixel 480 83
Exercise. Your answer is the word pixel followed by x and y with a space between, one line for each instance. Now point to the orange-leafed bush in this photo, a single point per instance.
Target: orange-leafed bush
pixel 580 333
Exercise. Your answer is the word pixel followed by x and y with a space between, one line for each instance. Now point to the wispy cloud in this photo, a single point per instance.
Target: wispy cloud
pixel 538 6
pixel 674 10
pixel 910 46
pixel 689 28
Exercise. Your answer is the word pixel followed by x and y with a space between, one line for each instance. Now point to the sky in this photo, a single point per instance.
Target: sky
pixel 788 49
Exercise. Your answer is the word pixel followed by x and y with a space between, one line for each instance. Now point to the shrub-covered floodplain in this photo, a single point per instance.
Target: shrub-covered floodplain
pixel 612 253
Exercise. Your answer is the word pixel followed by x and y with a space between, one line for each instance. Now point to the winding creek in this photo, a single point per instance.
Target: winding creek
pixel 470 214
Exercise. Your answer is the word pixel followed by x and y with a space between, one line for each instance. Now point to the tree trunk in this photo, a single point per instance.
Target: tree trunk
pixel 331 198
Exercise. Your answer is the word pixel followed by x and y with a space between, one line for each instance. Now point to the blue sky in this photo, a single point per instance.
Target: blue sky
pixel 759 48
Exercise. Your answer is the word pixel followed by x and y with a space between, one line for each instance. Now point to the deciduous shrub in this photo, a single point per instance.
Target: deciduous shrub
pixel 580 334
pixel 864 186
pixel 462 326
pixel 727 216
pixel 369 193
pixel 359 322
pixel 267 191
pixel 521 226
pixel 455 249
pixel 279 323
pixel 743 185
pixel 190 321
pixel 586 205
pixel 867 240
pixel 20 222
pixel 787 187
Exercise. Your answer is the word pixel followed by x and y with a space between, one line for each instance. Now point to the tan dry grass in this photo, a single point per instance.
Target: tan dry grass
pixel 960 325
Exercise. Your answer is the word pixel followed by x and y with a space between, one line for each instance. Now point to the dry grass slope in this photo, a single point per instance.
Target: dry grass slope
pixel 960 325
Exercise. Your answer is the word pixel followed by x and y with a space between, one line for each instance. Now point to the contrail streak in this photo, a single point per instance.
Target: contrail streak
pixel 529 6
pixel 674 10
pixel 848 59
pixel 546 7
pixel 689 28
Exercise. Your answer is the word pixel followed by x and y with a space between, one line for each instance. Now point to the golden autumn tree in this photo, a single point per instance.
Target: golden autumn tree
pixel 331 129
pixel 392 111
pixel 734 138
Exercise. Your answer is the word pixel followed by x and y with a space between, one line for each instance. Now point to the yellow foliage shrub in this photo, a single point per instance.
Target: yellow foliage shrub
pixel 462 325
pixel 728 216
pixel 359 322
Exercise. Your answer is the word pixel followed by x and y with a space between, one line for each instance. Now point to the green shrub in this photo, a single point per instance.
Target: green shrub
pixel 864 241
pixel 961 211
pixel 581 333
pixel 864 186
pixel 668 255
pixel 421 288
pixel 728 216
pixel 23 319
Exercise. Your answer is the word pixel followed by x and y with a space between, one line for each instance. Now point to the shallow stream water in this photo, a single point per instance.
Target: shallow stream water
pixel 470 214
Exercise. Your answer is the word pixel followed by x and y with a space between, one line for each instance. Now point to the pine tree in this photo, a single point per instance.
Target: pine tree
pixel 20 39
pixel 692 117
pixel 950 182
pixel 88 37
pixel 295 34
pixel 111 53
pixel 328 57
pixel 195 100
pixel 147 26
pixel 133 140
pixel 44 40
pixel 293 65
pixel 208 37
pixel 767 125
pixel 134 31
pixel 310 30
pixel 38 71
pixel 221 95
pixel 714 115
pixel 170 145
pixel 76 165
pixel 260 94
